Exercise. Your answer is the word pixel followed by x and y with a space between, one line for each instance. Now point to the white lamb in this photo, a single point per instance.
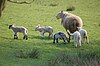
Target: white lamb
pixel 20 29
pixel 77 38
pixel 45 29
pixel 84 34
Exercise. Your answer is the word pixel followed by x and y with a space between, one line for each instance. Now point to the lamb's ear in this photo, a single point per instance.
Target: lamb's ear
pixel 62 11
pixel 38 25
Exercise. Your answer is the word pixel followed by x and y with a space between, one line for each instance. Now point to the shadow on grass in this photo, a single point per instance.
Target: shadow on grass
pixel 11 38
pixel 39 37
pixel 5 37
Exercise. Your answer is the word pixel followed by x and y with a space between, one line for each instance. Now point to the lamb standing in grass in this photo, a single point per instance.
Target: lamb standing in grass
pixel 84 35
pixel 20 29
pixel 77 38
pixel 45 29
pixel 60 35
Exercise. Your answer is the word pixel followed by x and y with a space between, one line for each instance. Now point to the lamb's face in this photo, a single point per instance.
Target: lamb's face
pixel 36 28
pixel 10 26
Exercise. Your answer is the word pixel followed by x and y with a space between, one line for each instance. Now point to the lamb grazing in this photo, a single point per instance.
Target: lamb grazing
pixel 45 29
pixel 84 35
pixel 20 29
pixel 77 38
pixel 69 21
pixel 60 35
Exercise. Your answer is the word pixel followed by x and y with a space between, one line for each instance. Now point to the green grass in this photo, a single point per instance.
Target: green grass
pixel 43 12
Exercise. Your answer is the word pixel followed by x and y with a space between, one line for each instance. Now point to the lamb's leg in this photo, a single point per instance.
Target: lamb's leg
pixel 79 43
pixel 64 40
pixel 54 39
pixel 69 35
pixel 75 43
pixel 26 37
pixel 49 34
pixel 87 40
pixel 82 40
pixel 15 36
pixel 42 34
pixel 57 40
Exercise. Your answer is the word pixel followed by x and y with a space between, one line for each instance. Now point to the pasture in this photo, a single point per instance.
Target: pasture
pixel 43 12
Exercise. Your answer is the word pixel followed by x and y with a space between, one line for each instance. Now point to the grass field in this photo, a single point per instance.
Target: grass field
pixel 43 12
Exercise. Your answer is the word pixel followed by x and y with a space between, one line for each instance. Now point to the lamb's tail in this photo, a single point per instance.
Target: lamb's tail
pixel 26 31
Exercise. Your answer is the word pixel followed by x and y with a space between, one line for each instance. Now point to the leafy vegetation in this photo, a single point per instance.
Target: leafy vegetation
pixel 43 12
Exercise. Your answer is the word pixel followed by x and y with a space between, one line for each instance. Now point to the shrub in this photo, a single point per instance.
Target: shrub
pixel 34 53
pixel 75 59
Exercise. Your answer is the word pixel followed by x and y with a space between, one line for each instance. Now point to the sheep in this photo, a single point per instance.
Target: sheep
pixel 84 35
pixel 60 35
pixel 77 38
pixel 45 29
pixel 69 21
pixel 20 29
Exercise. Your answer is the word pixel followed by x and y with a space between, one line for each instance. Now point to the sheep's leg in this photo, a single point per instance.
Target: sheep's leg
pixel 79 43
pixel 68 40
pixel 69 35
pixel 42 34
pixel 54 40
pixel 64 40
pixel 82 40
pixel 15 36
pixel 87 40
pixel 75 43
pixel 49 34
pixel 25 37
pixel 57 40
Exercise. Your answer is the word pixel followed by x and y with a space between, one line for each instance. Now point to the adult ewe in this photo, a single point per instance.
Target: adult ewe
pixel 69 21
pixel 20 29
pixel 45 29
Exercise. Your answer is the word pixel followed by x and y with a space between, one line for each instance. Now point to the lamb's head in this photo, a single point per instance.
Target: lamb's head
pixel 36 28
pixel 11 26
pixel 79 28
pixel 61 14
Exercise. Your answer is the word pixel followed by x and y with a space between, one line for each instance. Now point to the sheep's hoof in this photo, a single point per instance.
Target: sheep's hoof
pixel 26 38
pixel 15 37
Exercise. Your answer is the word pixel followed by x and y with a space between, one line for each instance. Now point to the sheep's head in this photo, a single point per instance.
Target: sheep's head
pixel 36 28
pixel 79 28
pixel 61 14
pixel 11 26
